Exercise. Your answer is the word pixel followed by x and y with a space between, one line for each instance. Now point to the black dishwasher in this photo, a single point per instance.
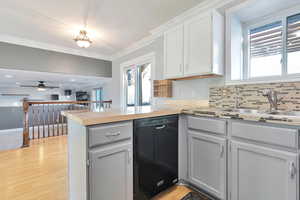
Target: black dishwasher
pixel 155 155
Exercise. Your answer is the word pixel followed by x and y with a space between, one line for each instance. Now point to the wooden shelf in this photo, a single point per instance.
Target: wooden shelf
pixel 197 77
pixel 162 88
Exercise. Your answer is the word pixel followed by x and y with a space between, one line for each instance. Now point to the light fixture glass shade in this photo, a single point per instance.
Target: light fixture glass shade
pixel 83 40
pixel 40 89
pixel 83 44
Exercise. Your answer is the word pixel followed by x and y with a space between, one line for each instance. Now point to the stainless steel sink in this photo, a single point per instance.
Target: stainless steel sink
pixel 243 111
pixel 286 113
pixel 253 111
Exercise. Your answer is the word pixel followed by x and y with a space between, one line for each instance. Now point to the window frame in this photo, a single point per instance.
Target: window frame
pixel 146 59
pixel 246 64
pixel 245 67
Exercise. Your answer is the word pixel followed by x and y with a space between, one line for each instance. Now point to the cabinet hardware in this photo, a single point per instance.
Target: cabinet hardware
pixel 160 127
pixel 180 68
pixel 113 134
pixel 221 150
pixel 292 170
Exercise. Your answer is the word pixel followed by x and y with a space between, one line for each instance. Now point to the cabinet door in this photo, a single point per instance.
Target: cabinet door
pixel 198 46
pixel 207 163
pixel 173 53
pixel 110 174
pixel 262 173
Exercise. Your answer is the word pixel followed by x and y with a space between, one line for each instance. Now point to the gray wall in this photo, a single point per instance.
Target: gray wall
pixel 33 59
pixel 187 89
pixel 11 117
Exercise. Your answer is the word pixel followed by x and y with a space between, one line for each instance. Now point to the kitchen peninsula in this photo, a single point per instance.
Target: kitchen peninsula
pixel 217 149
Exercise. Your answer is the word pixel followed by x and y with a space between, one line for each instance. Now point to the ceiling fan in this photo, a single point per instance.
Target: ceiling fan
pixel 41 86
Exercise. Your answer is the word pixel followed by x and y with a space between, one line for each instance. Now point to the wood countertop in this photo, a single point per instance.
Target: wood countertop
pixel 87 118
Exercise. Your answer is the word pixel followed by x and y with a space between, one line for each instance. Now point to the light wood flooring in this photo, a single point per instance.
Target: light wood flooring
pixel 39 172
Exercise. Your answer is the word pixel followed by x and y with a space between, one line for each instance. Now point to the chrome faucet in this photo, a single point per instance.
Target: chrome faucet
pixel 272 96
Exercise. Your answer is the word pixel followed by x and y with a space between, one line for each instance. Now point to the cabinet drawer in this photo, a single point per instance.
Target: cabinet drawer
pixel 104 134
pixel 206 124
pixel 285 137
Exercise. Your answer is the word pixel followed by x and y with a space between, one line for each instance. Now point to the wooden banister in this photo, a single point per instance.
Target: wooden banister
pixel 25 124
pixel 43 118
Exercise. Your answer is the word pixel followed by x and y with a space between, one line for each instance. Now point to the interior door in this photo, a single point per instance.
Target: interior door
pixel 173 52
pixel 207 162
pixel 110 174
pixel 262 173
pixel 198 46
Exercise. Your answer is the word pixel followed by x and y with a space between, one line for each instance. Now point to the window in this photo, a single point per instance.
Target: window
pixel 138 88
pixel 270 48
pixel 266 50
pixel 293 44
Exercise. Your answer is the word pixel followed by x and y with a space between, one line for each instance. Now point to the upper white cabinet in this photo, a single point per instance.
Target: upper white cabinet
pixel 195 48
pixel 173 52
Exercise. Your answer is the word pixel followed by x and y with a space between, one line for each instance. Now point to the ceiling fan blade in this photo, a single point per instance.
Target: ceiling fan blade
pixel 33 86
pixel 52 87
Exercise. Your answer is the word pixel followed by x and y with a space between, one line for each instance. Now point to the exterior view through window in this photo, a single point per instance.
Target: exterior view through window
pixel 293 44
pixel 272 49
pixel 266 50
pixel 138 87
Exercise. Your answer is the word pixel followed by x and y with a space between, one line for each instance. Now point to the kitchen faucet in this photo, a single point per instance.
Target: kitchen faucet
pixel 272 96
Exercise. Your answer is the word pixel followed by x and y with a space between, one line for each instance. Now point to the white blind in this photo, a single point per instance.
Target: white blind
pixel 293 43
pixel 266 40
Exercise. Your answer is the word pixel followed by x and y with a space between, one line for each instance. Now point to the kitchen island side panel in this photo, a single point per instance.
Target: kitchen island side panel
pixel 77 157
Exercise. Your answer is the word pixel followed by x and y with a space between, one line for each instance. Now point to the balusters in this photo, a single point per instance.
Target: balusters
pixel 45 118
pixel 48 120
pixel 53 120
pixel 39 121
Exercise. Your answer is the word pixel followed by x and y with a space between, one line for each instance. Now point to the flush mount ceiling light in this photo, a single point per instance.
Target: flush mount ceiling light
pixel 83 40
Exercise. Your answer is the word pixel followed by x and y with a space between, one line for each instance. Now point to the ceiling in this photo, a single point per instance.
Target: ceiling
pixel 255 9
pixel 112 24
pixel 11 79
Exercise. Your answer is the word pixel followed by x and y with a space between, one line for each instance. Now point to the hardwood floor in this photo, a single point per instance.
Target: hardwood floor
pixel 35 173
pixel 39 172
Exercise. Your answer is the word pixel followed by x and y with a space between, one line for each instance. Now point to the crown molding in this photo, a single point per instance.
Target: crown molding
pixel 203 7
pixel 51 47
pixel 135 46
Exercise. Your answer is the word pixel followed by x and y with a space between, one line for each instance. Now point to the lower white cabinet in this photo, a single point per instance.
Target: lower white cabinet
pixel 207 162
pixel 261 173
pixel 110 173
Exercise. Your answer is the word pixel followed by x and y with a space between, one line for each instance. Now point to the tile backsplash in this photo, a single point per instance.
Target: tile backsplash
pixel 250 96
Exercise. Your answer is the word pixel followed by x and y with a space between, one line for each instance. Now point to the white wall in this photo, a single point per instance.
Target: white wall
pixel 188 89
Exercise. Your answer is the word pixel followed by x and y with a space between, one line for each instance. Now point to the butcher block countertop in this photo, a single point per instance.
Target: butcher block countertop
pixel 88 118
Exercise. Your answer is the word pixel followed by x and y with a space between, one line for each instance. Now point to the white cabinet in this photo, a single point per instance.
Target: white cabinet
pixel 262 173
pixel 110 173
pixel 207 162
pixel 196 47
pixel 173 51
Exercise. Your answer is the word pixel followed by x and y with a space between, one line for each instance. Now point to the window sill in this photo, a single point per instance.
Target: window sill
pixel 291 78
